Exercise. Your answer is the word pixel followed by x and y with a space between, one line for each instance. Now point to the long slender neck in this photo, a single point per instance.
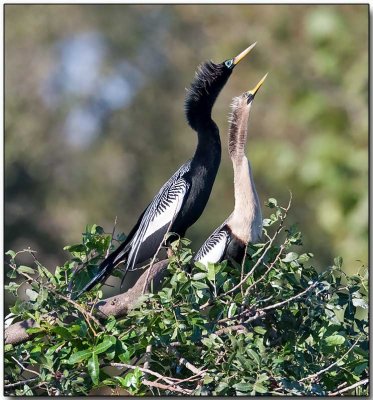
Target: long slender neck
pixel 246 201
pixel 208 149
pixel 246 219
pixel 209 80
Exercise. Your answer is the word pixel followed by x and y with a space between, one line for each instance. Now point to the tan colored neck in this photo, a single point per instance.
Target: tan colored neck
pixel 238 128
pixel 246 220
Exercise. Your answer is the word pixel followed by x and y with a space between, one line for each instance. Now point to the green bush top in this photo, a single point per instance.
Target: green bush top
pixel 271 326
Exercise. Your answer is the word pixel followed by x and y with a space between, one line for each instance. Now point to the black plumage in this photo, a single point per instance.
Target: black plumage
pixel 244 225
pixel 182 199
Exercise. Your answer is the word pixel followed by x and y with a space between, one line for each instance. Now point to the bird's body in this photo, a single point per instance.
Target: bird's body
pixel 244 225
pixel 182 199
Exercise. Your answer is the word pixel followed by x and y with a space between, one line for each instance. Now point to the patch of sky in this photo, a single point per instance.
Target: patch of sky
pixel 87 83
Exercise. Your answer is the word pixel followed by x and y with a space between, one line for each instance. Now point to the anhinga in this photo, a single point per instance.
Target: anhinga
pixel 244 225
pixel 182 199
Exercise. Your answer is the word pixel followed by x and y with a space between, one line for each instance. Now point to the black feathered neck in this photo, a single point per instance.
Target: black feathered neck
pixel 210 78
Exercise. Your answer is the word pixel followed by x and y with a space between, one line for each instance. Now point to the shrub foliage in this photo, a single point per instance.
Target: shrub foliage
pixel 271 326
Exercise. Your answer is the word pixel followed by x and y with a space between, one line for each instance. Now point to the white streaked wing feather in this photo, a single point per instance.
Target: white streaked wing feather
pixel 168 208
pixel 161 211
pixel 214 247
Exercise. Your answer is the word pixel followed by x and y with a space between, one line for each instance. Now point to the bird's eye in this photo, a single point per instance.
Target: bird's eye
pixel 249 97
pixel 229 63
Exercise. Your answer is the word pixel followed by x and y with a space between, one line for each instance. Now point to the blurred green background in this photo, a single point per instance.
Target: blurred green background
pixel 94 117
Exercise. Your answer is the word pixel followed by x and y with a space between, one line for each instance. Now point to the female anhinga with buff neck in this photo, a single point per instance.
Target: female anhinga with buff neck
pixel 244 225
pixel 182 199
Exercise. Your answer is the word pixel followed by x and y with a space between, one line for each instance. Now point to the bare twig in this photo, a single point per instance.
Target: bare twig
pixel 24 368
pixel 192 378
pixel 313 376
pixel 147 356
pixel 258 314
pixel 86 314
pixel 282 247
pixel 168 380
pixel 261 312
pixel 191 367
pixel 171 382
pixel 234 328
pixel 185 362
pixel 281 303
pixel 20 383
pixel 346 389
pixel 243 265
pixel 342 385
pixel 171 387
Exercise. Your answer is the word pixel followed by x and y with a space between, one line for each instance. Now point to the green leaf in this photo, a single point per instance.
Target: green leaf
pixel 25 269
pixel 12 274
pixel 291 256
pixel 99 230
pixel 360 303
pixel 221 387
pixel 242 387
pixel 267 222
pixel 232 310
pixel 335 340
pixel 211 272
pixel 305 257
pixel 80 356
pixel 27 390
pixel 338 262
pixel 121 237
pixel 76 248
pixel 63 332
pixel 200 285
pixel 260 330
pixel 361 367
pixel 272 202
pixel 254 355
pixel 32 294
pixel 208 379
pixel 35 329
pixel 103 346
pixel 258 387
pixel 111 322
pixel 129 380
pixel 44 271
pixel 11 253
pixel 93 368
pixel 198 276
pixel 12 287
pixel 122 381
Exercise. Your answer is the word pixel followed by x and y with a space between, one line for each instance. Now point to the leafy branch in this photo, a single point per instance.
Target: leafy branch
pixel 261 327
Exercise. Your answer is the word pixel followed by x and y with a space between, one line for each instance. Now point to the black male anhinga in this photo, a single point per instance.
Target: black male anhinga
pixel 244 225
pixel 182 199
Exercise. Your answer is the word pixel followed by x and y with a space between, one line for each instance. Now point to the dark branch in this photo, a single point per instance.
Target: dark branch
pixel 117 306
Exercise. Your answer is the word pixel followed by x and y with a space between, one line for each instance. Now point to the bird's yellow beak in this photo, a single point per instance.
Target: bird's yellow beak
pixel 257 87
pixel 243 54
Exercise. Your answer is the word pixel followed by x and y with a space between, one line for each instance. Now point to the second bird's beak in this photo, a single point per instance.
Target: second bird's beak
pixel 243 54
pixel 251 93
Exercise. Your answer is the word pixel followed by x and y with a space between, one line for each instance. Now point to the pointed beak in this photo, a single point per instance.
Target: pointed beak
pixel 251 93
pixel 243 54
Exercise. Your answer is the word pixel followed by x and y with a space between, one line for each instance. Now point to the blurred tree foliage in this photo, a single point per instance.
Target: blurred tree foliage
pixel 94 120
